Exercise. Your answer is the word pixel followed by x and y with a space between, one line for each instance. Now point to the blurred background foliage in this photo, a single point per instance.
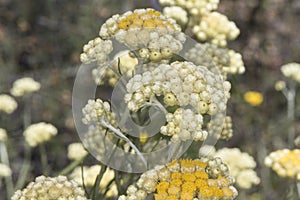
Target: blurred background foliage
pixel 43 39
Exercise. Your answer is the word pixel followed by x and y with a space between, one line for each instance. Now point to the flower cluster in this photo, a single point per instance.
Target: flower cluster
pixel 291 70
pixel 253 98
pixel 177 13
pixel 204 179
pixel 4 170
pixel 241 166
pixel 285 162
pixel 181 84
pixel 3 135
pixel 144 28
pixel 216 28
pixel 195 8
pixel 210 55
pixel 89 177
pixel 24 86
pixel 39 133
pixel 7 104
pixel 76 151
pixel 50 188
pixel 184 125
pixel 96 50
pixel 96 110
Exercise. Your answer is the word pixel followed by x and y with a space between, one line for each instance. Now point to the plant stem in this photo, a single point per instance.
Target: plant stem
pixel 25 167
pixel 8 179
pixel 70 167
pixel 298 188
pixel 44 158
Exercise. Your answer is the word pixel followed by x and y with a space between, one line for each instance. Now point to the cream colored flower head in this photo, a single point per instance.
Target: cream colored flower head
pixel 3 135
pixel 285 162
pixel 177 13
pixel 76 151
pixel 90 174
pixel 207 179
pixel 216 28
pixel 241 166
pixel 39 133
pixel 291 70
pixel 50 188
pixel 4 170
pixel 24 86
pixel 7 104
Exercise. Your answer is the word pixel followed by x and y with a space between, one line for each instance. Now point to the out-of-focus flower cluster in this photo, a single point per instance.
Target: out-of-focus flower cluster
pixel 241 166
pixel 88 174
pixel 7 104
pixel 4 170
pixel 76 151
pixel 285 162
pixel 253 98
pixel 292 71
pixel 24 86
pixel 204 179
pixel 39 133
pixel 50 188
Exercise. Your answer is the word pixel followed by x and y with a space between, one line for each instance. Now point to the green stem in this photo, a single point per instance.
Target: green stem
pixel 290 95
pixel 27 160
pixel 8 179
pixel 70 167
pixel 25 167
pixel 44 159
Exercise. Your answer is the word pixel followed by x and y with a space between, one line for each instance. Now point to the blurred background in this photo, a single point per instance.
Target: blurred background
pixel 43 39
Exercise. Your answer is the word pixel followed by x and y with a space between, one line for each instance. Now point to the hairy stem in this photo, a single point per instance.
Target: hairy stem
pixel 8 179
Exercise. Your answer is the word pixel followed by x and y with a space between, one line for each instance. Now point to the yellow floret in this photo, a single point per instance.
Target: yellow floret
pixel 150 23
pixel 206 191
pixel 162 187
pixel 201 174
pixel 199 183
pixel 188 187
pixel 173 190
pixel 172 197
pixel 187 196
pixel 188 177
pixel 176 182
pixel 176 175
pixel 124 24
pixel 160 196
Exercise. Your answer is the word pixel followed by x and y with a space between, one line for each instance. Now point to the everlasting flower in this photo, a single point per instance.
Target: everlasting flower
pixel 280 85
pixel 241 166
pixel 4 170
pixel 195 8
pixel 253 98
pixel 96 50
pixel 76 151
pixel 177 13
pixel 144 28
pixel 285 162
pixel 3 135
pixel 216 28
pixel 25 86
pixel 39 133
pixel 181 84
pixel 7 104
pixel 185 179
pixel 212 56
pixel 50 188
pixel 291 70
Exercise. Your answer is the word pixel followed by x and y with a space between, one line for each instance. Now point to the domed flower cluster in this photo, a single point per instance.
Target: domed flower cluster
pixel 181 84
pixel 205 179
pixel 212 56
pixel 216 28
pixel 25 86
pixel 89 177
pixel 144 28
pixel 39 133
pixel 7 104
pixel 285 162
pixel 291 70
pixel 177 13
pixel 195 8
pixel 241 166
pixel 222 127
pixel 51 188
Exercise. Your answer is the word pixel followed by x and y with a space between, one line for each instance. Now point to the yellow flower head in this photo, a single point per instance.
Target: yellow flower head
pixel 253 98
